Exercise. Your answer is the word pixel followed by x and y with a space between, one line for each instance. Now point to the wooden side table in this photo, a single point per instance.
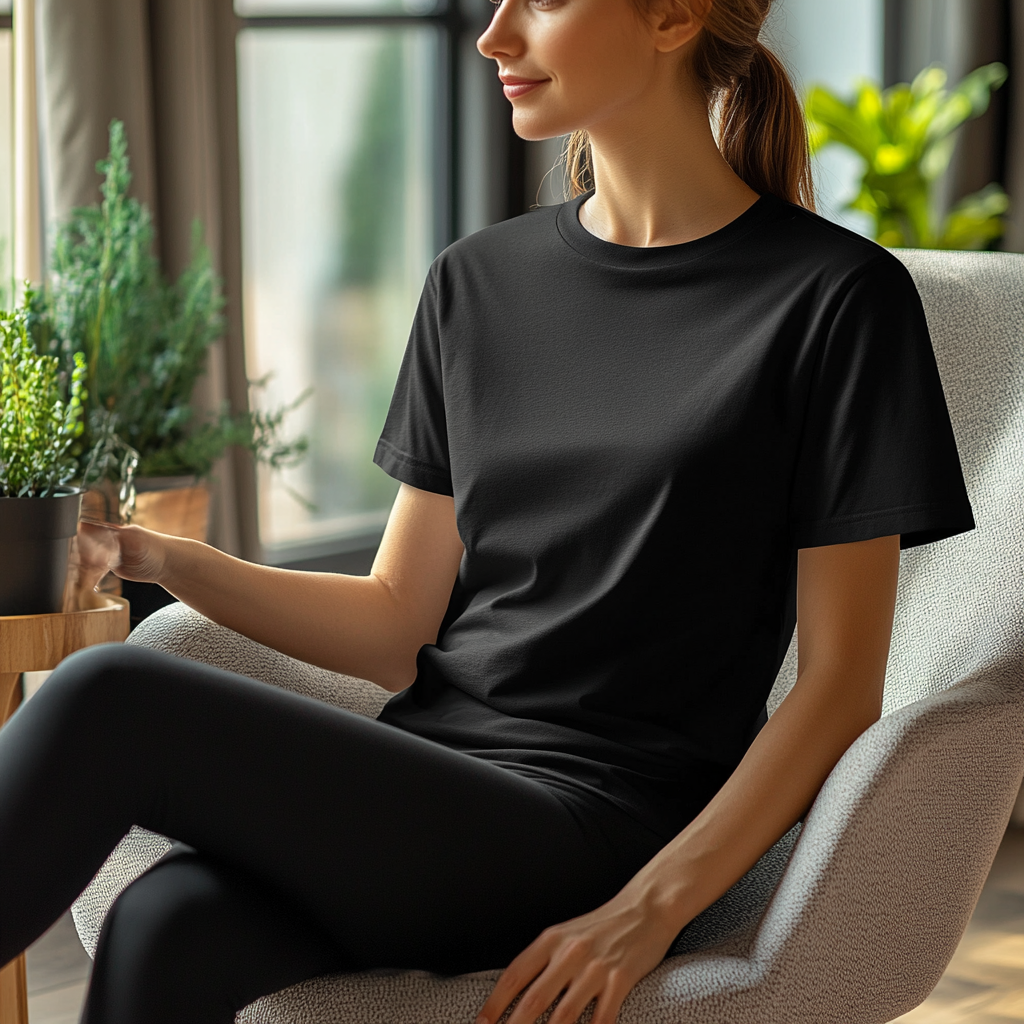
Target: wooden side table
pixel 35 643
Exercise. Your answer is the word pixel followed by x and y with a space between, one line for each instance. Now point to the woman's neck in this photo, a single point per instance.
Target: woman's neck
pixel 660 179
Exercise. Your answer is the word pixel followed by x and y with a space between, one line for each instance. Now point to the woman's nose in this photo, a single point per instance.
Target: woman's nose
pixel 502 38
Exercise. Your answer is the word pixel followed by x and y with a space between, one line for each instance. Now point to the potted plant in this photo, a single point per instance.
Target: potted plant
pixel 40 423
pixel 904 135
pixel 146 342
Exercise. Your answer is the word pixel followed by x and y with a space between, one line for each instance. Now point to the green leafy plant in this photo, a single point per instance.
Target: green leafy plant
pixel 905 136
pixel 40 413
pixel 145 339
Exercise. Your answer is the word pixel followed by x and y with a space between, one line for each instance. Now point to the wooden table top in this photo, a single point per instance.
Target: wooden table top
pixel 35 643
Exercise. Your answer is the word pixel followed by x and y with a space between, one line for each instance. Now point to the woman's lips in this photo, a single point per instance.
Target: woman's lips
pixel 515 87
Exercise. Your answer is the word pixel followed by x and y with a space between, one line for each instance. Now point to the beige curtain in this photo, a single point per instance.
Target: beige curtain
pixel 28 223
pixel 165 68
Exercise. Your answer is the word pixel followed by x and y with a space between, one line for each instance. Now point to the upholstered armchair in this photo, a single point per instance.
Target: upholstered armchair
pixel 853 916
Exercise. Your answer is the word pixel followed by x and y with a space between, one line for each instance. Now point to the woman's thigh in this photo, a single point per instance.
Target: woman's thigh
pixel 406 853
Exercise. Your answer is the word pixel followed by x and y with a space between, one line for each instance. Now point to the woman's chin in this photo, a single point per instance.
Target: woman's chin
pixel 533 128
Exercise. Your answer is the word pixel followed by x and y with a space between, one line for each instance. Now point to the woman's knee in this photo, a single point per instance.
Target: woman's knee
pixel 99 687
pixel 191 939
pixel 90 674
pixel 156 959
pixel 163 916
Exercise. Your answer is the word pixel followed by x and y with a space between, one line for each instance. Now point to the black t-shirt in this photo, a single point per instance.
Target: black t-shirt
pixel 638 440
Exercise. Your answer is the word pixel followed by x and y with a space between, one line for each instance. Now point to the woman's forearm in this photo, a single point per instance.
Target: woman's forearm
pixel 367 626
pixel 349 624
pixel 771 789
pixel 846 596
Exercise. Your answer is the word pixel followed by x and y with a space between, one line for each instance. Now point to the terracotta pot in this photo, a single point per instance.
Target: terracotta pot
pixel 178 506
pixel 35 541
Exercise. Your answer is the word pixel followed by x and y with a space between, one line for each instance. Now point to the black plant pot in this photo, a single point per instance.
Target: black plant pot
pixel 35 540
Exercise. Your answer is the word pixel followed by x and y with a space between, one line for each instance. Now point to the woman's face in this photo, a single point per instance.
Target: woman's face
pixel 568 64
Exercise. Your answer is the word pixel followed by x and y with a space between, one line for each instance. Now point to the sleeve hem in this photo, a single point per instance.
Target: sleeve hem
pixel 916 524
pixel 412 471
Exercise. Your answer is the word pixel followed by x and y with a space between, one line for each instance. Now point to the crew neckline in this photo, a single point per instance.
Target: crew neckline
pixel 629 257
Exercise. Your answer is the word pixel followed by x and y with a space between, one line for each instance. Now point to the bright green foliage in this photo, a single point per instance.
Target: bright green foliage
pixel 145 339
pixel 905 137
pixel 40 414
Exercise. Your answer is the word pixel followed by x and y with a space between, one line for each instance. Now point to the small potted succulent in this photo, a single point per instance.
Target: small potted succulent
pixel 41 409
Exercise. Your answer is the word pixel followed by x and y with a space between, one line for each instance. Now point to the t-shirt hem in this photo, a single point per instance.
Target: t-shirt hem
pixel 916 524
pixel 410 470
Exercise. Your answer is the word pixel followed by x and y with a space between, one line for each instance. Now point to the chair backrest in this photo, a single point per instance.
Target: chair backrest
pixel 961 601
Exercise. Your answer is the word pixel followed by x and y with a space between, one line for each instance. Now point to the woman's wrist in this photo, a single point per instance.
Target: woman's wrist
pixel 174 560
pixel 145 556
pixel 682 879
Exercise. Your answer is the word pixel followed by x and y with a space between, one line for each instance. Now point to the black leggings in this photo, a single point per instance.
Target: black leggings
pixel 323 841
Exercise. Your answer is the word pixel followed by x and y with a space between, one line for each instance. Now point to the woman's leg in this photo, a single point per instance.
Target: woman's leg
pixel 404 853
pixel 183 917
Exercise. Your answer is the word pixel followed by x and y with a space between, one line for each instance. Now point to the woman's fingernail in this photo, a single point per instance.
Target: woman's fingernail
pixel 480 1020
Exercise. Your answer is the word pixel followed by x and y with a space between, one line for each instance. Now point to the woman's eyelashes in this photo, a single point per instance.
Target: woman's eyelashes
pixel 542 4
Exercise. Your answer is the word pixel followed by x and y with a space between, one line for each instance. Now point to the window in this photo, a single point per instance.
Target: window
pixel 834 44
pixel 346 122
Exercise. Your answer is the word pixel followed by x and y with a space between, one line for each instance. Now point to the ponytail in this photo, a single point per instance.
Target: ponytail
pixel 761 129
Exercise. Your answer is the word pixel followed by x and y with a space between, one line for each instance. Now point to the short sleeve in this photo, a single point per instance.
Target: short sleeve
pixel 878 456
pixel 413 446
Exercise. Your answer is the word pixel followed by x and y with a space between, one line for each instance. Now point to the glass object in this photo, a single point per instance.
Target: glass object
pixel 109 481
pixel 298 8
pixel 338 226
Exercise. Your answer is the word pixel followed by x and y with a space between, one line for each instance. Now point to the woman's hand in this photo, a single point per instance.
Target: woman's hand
pixel 129 551
pixel 600 955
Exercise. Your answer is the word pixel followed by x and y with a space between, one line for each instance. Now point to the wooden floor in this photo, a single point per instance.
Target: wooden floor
pixel 983 985
pixel 58 971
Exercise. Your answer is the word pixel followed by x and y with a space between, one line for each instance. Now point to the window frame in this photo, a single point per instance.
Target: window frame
pixel 451 26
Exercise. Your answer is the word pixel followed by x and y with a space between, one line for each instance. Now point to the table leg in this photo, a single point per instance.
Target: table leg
pixel 10 694
pixel 14 993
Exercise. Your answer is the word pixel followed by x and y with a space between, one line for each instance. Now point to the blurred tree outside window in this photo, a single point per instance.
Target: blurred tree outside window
pixel 339 227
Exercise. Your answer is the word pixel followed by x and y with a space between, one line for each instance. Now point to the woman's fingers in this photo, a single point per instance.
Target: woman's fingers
pixel 600 955
pixel 613 995
pixel 98 552
pixel 539 996
pixel 583 990
pixel 571 973
pixel 513 980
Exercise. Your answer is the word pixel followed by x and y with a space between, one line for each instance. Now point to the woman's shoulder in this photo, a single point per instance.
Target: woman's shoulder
pixel 502 242
pixel 833 251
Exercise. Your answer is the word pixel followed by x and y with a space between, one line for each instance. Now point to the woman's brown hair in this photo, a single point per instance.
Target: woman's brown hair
pixel 761 129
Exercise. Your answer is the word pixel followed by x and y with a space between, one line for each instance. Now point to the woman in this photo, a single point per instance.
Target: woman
pixel 638 435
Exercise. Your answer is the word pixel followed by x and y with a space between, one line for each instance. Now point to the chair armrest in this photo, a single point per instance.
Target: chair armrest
pixel 883 878
pixel 179 630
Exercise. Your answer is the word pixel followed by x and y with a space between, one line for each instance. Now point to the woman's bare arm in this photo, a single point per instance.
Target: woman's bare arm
pixel 845 605
pixel 366 626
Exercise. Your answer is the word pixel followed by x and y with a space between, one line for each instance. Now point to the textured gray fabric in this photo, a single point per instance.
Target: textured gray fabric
pixel 179 630
pixel 854 917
